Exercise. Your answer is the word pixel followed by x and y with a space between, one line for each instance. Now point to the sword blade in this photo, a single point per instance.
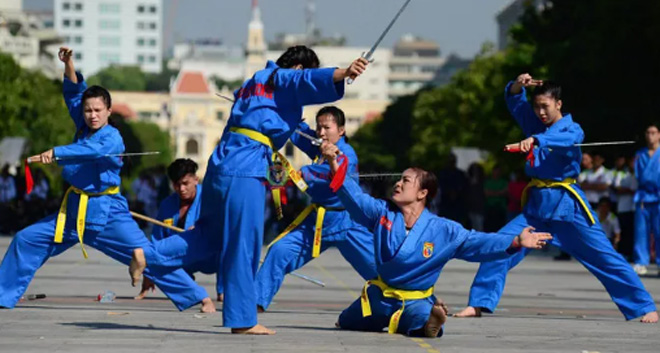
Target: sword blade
pixel 387 29
pixel 612 143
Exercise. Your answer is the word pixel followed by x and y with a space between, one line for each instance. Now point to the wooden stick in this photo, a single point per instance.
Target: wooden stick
pixel 177 229
pixel 156 222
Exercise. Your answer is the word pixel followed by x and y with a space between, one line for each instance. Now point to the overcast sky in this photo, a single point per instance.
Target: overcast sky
pixel 458 26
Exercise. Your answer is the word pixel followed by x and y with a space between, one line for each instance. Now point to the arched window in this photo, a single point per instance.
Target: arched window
pixel 192 147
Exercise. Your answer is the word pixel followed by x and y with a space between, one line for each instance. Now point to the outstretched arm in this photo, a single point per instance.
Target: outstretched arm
pixel 481 247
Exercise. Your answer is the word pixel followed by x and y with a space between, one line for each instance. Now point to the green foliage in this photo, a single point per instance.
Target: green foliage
pixel 31 106
pixel 120 78
pixel 604 54
pixel 132 78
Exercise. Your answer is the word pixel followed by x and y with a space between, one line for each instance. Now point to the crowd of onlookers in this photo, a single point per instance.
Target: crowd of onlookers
pixel 487 201
pixel 478 200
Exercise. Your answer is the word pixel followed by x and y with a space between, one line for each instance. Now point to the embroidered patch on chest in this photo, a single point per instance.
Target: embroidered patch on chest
pixel 427 251
pixel 386 223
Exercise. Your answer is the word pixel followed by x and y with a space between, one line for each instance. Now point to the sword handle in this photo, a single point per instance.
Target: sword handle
pixel 513 148
pixel 370 60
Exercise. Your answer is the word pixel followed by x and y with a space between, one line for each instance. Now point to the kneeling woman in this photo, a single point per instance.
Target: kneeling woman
pixel 412 245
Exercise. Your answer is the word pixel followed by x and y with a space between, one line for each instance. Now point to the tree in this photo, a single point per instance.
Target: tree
pixel 31 106
pixel 605 54
pixel 120 78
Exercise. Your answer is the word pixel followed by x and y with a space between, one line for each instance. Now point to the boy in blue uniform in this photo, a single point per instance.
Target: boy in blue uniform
pixel 267 110
pixel 181 209
pixel 647 201
pixel 93 212
pixel 324 223
pixel 555 203
pixel 411 247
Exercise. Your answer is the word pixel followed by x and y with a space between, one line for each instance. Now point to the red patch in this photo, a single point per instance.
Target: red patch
pixel 386 223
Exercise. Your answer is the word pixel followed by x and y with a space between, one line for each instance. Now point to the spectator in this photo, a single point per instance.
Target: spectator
pixel 7 201
pixel 609 221
pixel 625 185
pixel 596 181
pixel 495 188
pixel 476 197
pixel 453 182
pixel 514 192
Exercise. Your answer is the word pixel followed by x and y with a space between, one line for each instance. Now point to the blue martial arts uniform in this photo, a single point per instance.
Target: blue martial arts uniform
pixel 561 211
pixel 410 260
pixel 234 194
pixel 109 226
pixel 647 205
pixel 294 249
pixel 168 213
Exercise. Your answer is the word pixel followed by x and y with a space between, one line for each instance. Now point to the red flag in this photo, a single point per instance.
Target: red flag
pixel 29 182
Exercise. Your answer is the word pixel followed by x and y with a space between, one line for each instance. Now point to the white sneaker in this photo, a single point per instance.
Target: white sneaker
pixel 640 270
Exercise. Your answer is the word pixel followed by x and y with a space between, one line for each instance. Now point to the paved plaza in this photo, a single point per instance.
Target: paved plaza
pixel 548 307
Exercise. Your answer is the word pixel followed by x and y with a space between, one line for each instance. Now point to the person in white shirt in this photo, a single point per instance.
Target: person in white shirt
pixel 624 185
pixel 597 180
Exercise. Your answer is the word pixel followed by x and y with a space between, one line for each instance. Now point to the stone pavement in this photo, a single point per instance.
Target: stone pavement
pixel 548 307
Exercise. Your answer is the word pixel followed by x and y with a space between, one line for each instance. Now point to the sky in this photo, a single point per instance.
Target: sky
pixel 458 26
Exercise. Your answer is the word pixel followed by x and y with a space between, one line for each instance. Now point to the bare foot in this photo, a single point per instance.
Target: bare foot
pixel 470 311
pixel 207 306
pixel 254 330
pixel 650 318
pixel 221 298
pixel 434 324
pixel 260 309
pixel 137 266
pixel 147 285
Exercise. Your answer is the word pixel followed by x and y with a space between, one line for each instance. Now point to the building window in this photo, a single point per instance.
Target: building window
pixel 109 8
pixel 140 25
pixel 152 58
pixel 78 6
pixel 152 42
pixel 220 115
pixel 78 39
pixel 192 147
pixel 78 56
pixel 140 58
pixel 67 39
pixel 140 9
pixel 140 42
pixel 109 24
pixel 110 41
pixel 66 6
pixel 152 9
pixel 152 25
pixel 109 58
pixel 66 23
pixel 78 23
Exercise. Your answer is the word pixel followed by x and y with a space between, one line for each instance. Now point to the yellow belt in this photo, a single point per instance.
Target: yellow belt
pixel 82 213
pixel 389 292
pixel 291 172
pixel 318 229
pixel 566 184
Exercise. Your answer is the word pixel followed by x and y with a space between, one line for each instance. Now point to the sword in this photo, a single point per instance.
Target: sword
pixel 315 141
pixel 368 55
pixel 36 159
pixel 514 147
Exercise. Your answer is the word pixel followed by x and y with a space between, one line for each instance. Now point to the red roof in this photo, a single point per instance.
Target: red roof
pixel 124 110
pixel 192 82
